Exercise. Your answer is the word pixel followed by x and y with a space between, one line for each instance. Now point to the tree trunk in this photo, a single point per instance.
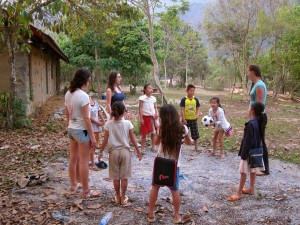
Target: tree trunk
pixel 244 73
pixel 11 47
pixel 152 53
pixel 165 67
pixel 186 69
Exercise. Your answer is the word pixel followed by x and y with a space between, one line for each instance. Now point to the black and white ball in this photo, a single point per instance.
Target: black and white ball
pixel 207 120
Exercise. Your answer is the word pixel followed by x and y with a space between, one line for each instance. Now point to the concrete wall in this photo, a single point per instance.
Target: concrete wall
pixel 37 76
pixel 4 70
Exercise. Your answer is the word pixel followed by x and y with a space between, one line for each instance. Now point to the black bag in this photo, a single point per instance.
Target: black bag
pixel 164 172
pixel 256 157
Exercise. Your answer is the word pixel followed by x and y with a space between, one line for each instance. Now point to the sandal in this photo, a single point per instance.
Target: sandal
pixel 116 200
pixel 91 194
pixel 234 198
pixel 180 221
pixel 150 220
pixel 73 191
pixel 222 156
pixel 247 191
pixel 212 154
pixel 125 200
pixel 94 168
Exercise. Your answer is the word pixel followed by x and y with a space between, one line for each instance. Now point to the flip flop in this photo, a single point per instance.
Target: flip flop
pixel 116 200
pixel 150 220
pixel 91 194
pixel 222 156
pixel 246 191
pixel 94 168
pixel 234 198
pixel 180 221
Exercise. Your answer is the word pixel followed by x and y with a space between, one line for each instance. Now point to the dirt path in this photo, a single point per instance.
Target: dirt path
pixel 207 182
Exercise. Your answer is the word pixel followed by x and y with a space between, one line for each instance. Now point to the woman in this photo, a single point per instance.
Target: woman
pixel 80 133
pixel 258 93
pixel 113 91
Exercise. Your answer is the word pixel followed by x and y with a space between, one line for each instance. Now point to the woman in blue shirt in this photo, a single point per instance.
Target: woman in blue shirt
pixel 258 93
pixel 113 91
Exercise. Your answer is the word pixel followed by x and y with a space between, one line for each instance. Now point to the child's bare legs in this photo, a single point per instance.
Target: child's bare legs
pixel 196 144
pixel 117 190
pixel 92 157
pixel 124 184
pixel 153 140
pixel 143 140
pixel 242 184
pixel 250 190
pixel 220 139
pixel 176 204
pixel 215 138
pixel 152 200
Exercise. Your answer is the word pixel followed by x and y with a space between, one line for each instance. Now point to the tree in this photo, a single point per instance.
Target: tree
pixel 231 28
pixel 148 9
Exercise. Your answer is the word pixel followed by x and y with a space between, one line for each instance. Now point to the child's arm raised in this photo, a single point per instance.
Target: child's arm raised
pixel 132 138
pixel 104 142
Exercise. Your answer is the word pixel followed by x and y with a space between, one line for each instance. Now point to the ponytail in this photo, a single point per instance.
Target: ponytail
pixel 117 109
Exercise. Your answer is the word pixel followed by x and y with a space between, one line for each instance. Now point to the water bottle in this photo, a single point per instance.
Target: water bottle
pixel 106 218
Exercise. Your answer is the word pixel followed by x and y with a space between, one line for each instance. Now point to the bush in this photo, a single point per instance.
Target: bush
pixel 19 112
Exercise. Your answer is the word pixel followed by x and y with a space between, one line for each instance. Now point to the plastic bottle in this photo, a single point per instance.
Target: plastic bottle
pixel 106 218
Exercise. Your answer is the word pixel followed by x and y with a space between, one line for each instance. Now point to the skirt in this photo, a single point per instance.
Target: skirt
pixel 245 168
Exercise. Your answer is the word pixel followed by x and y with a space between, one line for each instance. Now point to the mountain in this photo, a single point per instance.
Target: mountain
pixel 196 13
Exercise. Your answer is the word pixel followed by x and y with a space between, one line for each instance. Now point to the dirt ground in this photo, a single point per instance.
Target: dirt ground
pixel 205 184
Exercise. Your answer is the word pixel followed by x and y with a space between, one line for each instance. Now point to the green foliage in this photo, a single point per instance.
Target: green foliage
pixel 19 114
pixel 52 125
pixel 136 127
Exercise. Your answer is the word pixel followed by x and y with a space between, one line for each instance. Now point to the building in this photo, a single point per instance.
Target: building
pixel 37 72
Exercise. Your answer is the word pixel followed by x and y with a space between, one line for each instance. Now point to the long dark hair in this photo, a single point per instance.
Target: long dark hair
pixel 255 69
pixel 258 109
pixel 117 109
pixel 170 130
pixel 112 79
pixel 257 72
pixel 81 77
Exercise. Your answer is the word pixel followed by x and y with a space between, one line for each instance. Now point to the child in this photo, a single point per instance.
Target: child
pixel 252 139
pixel 96 125
pixel 117 134
pixel 148 114
pixel 190 113
pixel 168 140
pixel 220 123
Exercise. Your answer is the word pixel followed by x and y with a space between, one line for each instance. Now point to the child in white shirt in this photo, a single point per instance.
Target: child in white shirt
pixel 220 123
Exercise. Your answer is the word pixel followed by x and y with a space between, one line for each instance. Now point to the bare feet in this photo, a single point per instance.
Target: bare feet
pixel 248 191
pixel 235 197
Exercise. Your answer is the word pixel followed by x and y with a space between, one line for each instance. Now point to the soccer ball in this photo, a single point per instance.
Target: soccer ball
pixel 207 120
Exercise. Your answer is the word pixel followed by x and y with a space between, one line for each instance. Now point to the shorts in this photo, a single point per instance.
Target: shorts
pixel 245 168
pixel 81 136
pixel 176 185
pixel 119 164
pixel 193 126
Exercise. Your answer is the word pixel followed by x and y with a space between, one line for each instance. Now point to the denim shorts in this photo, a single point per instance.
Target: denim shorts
pixel 176 185
pixel 81 136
